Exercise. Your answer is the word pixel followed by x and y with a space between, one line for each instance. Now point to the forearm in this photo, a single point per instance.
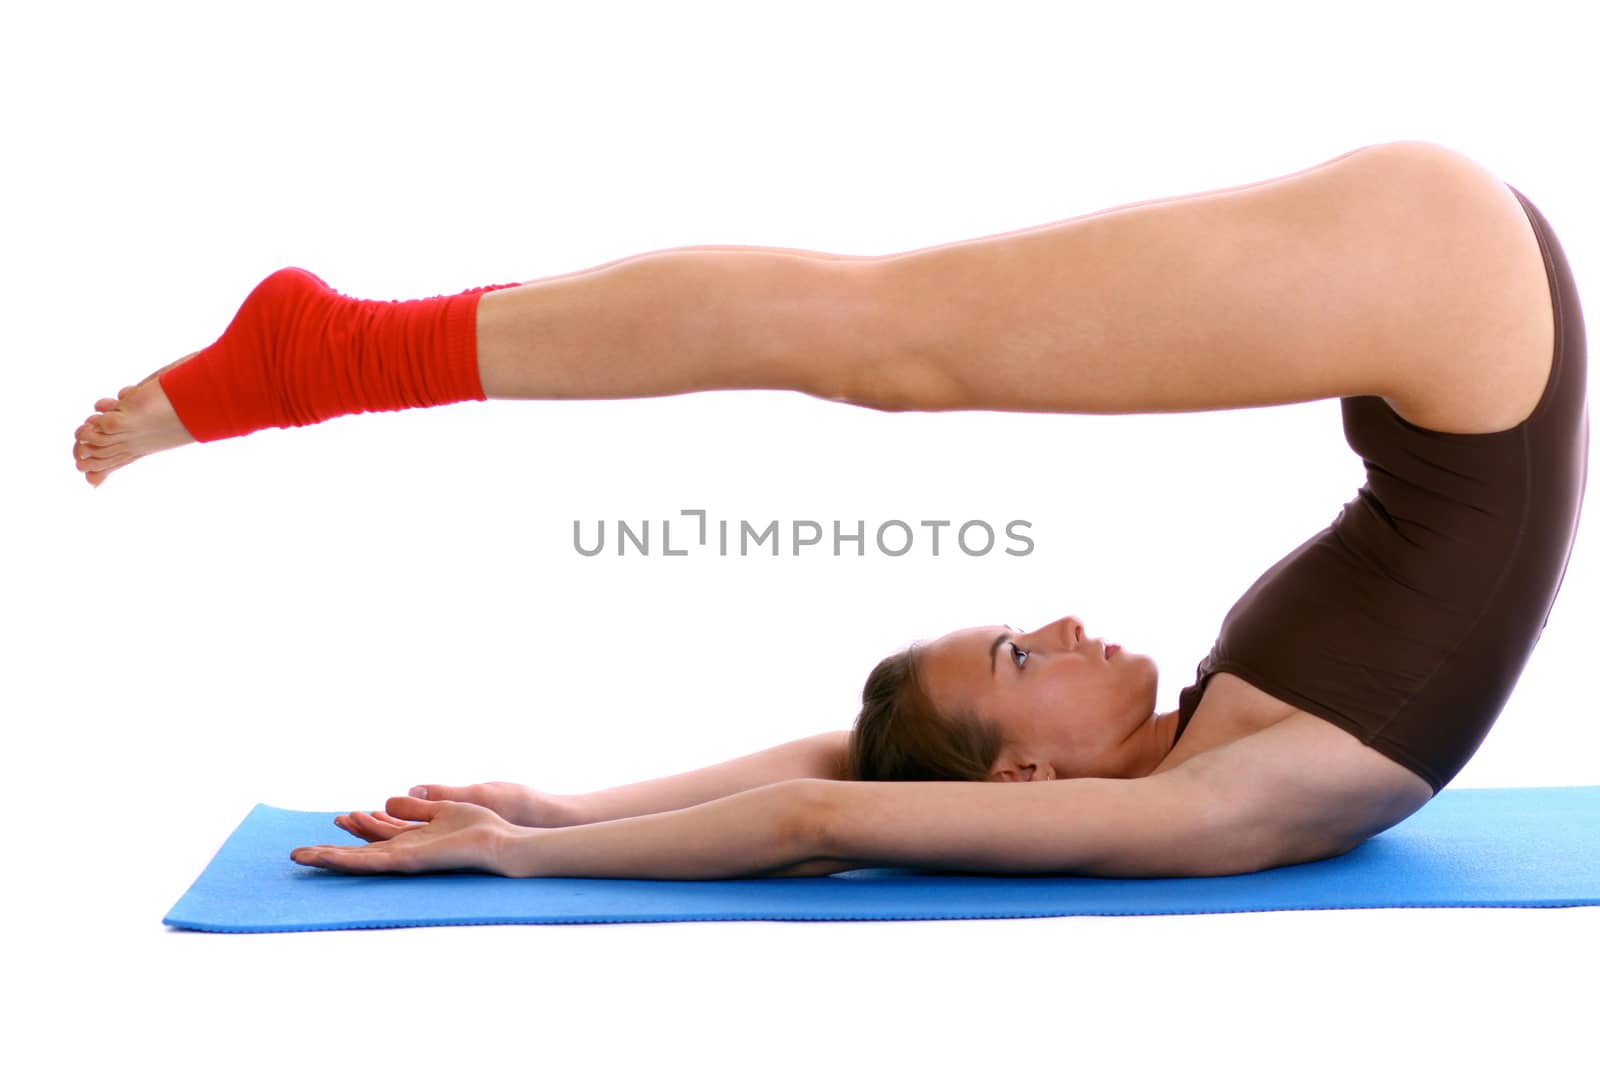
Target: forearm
pixel 772 830
pixel 821 756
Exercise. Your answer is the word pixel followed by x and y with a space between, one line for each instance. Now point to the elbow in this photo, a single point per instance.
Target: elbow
pixel 832 756
pixel 1231 840
pixel 808 826
pixel 1262 848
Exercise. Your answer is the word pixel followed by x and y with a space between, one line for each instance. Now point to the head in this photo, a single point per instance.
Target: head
pixel 991 703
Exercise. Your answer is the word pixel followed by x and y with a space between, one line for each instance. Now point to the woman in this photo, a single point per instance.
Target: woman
pixel 1346 687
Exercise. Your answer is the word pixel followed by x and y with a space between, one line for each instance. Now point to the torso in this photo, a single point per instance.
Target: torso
pixel 1231 708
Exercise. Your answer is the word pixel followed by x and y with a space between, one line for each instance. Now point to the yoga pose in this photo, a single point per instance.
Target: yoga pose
pixel 1347 686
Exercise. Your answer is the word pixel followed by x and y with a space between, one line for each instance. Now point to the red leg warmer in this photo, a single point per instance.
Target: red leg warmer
pixel 297 352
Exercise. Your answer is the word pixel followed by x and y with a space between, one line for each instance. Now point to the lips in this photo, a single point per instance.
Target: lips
pixel 1112 650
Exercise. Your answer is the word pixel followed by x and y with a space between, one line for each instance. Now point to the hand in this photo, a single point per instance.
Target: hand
pixel 518 804
pixel 416 835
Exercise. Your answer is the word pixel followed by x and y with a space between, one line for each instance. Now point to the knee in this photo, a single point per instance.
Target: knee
pixel 891 358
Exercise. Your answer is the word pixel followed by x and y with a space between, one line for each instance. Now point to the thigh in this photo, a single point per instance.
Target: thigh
pixel 1368 275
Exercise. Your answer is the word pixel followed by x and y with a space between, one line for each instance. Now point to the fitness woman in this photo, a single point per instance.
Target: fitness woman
pixel 1347 686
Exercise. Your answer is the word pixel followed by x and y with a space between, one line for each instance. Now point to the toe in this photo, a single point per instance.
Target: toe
pixel 95 433
pixel 104 404
pixel 89 434
pixel 105 463
pixel 102 464
pixel 98 446
pixel 94 478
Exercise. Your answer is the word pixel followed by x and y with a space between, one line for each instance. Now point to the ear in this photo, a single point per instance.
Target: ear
pixel 1011 767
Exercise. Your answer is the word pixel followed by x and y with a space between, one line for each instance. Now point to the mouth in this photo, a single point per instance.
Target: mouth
pixel 1112 650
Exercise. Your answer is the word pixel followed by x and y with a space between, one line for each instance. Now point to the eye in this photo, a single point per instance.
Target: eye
pixel 1015 653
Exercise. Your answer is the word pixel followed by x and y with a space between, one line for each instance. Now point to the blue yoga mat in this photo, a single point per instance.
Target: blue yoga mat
pixel 1467 848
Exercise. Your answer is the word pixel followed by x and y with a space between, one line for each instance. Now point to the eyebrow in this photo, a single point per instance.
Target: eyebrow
pixel 994 647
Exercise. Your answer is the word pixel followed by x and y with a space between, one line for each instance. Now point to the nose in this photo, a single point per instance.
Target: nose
pixel 1068 629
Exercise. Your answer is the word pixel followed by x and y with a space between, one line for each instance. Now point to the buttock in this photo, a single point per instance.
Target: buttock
pixel 1408 620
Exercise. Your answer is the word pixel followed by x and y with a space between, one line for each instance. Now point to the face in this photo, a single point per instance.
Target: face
pixel 1065 708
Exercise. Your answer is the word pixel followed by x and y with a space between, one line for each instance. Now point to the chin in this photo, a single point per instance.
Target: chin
pixel 1154 680
pixel 1149 662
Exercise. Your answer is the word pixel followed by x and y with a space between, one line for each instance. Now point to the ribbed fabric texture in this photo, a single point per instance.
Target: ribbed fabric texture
pixel 297 352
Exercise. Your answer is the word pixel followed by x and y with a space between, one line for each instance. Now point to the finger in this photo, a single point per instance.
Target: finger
pixel 383 816
pixel 374 830
pixel 443 792
pixel 348 824
pixel 351 859
pixel 414 808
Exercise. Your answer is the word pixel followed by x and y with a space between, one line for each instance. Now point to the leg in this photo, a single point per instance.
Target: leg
pixel 1399 270
pixel 1354 277
pixel 542 340
pixel 629 328
pixel 684 320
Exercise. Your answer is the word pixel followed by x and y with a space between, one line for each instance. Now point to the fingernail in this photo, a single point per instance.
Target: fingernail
pixel 420 791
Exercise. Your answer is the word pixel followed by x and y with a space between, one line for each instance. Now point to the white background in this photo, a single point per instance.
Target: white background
pixel 319 618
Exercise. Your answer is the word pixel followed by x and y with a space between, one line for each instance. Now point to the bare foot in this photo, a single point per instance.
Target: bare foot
pixel 138 422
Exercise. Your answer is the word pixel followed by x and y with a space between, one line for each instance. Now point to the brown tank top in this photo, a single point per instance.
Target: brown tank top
pixel 1408 620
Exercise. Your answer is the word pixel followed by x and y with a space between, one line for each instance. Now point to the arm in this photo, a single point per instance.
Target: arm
pixel 1164 825
pixel 1182 823
pixel 821 756
pixel 1170 824
pixel 1298 791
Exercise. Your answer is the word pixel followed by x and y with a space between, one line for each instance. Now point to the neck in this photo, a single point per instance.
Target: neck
pixel 1150 744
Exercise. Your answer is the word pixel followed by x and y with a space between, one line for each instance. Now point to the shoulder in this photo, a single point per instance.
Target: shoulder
pixel 1296 791
pixel 1302 790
